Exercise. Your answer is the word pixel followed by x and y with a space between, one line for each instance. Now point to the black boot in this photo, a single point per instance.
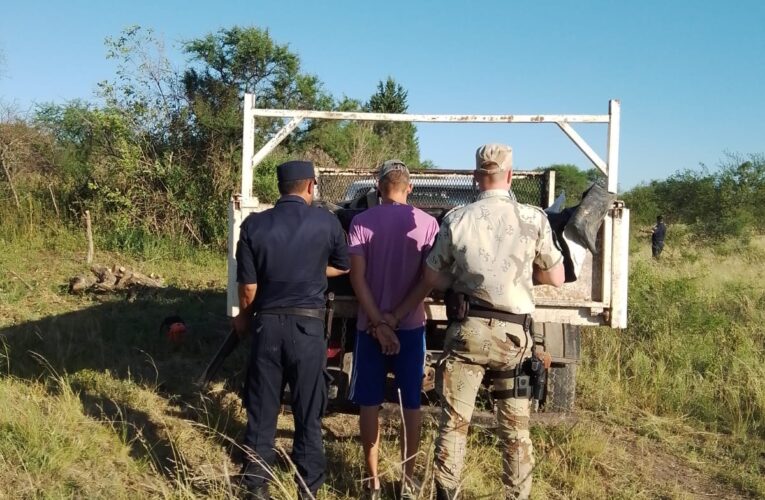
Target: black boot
pixel 444 493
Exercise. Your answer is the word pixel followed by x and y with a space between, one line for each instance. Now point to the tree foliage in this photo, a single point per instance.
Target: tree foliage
pixel 234 61
pixel 160 151
pixel 25 152
pixel 572 181
pixel 729 201
pixel 392 98
pixel 366 145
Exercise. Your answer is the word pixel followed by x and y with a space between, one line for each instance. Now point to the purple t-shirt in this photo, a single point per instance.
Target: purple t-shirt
pixel 394 240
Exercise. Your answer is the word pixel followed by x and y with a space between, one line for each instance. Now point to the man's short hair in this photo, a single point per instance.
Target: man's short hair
pixel 659 218
pixel 391 166
pixel 294 187
pixel 393 172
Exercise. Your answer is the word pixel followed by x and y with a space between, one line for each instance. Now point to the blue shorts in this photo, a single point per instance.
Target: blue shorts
pixel 371 367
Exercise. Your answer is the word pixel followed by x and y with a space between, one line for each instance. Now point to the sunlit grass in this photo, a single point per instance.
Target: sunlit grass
pixel 688 371
pixel 106 408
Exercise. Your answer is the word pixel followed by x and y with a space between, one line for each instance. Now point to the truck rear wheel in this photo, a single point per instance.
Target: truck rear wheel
pixel 563 342
pixel 561 388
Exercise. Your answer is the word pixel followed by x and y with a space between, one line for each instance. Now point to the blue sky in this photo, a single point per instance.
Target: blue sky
pixel 690 74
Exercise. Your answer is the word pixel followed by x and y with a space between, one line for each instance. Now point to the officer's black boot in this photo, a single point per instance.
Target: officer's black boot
pixel 444 493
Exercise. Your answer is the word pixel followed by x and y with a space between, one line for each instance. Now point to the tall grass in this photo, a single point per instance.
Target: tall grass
pixel 50 448
pixel 689 367
pixel 682 388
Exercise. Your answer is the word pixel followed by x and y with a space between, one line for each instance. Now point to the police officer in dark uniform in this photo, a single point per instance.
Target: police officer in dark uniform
pixel 284 257
pixel 658 233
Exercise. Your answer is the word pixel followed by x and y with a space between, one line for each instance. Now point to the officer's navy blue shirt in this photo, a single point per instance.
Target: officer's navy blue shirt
pixel 658 233
pixel 285 250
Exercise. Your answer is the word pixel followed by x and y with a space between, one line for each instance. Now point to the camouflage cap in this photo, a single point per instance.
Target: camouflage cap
pixel 493 158
pixel 391 166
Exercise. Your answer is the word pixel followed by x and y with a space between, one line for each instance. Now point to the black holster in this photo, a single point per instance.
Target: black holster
pixel 521 389
pixel 529 380
pixel 329 315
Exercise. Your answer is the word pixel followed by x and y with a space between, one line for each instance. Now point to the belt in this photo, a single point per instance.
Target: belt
pixel 297 311
pixel 480 312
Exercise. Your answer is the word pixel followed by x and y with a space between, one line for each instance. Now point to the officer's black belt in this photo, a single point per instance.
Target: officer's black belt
pixel 297 311
pixel 494 374
pixel 480 312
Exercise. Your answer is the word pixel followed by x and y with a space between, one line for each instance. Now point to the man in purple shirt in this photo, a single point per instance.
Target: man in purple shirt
pixel 388 247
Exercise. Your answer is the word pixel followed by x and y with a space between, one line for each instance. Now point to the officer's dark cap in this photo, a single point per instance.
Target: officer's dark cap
pixel 295 170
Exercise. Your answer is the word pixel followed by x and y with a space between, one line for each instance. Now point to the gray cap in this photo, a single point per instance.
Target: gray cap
pixel 391 166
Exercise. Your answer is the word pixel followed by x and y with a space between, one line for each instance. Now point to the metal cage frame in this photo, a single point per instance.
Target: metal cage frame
pixel 251 159
pixel 612 306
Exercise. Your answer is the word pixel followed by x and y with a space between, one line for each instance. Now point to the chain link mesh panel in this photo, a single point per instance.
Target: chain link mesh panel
pixel 431 189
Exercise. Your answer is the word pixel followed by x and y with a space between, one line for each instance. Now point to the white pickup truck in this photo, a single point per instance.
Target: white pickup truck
pixel 597 297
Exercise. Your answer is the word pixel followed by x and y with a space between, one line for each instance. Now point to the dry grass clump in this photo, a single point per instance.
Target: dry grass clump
pixel 50 447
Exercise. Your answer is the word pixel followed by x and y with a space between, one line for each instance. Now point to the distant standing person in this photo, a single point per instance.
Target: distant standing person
pixel 658 233
pixel 388 247
pixel 284 257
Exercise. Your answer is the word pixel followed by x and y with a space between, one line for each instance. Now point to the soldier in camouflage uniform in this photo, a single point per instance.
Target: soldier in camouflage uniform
pixel 493 250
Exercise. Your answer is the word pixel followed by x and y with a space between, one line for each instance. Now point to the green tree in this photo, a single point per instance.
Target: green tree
pixel 26 154
pixel 231 62
pixel 401 138
pixel 595 176
pixel 223 66
pixel 572 181
pixel 715 204
pixel 160 152
pixel 147 88
pixel 389 98
pixel 330 142
pixel 365 145
pixel 644 204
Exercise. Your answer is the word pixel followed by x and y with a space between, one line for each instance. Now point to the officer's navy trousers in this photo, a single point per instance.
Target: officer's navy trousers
pixel 286 350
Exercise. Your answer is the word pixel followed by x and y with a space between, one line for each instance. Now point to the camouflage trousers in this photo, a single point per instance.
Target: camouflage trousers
pixel 472 347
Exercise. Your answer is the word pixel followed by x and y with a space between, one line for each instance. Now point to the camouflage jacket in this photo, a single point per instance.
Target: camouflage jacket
pixel 489 246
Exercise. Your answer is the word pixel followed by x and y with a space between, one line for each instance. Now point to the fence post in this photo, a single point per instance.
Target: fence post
pixel 549 185
pixel 89 235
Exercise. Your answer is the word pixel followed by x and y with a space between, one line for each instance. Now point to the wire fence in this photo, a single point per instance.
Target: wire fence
pixel 430 189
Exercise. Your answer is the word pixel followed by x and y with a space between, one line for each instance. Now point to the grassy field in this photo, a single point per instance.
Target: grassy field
pixel 95 403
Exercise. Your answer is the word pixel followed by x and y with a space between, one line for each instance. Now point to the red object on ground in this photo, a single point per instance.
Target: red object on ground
pixel 176 333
